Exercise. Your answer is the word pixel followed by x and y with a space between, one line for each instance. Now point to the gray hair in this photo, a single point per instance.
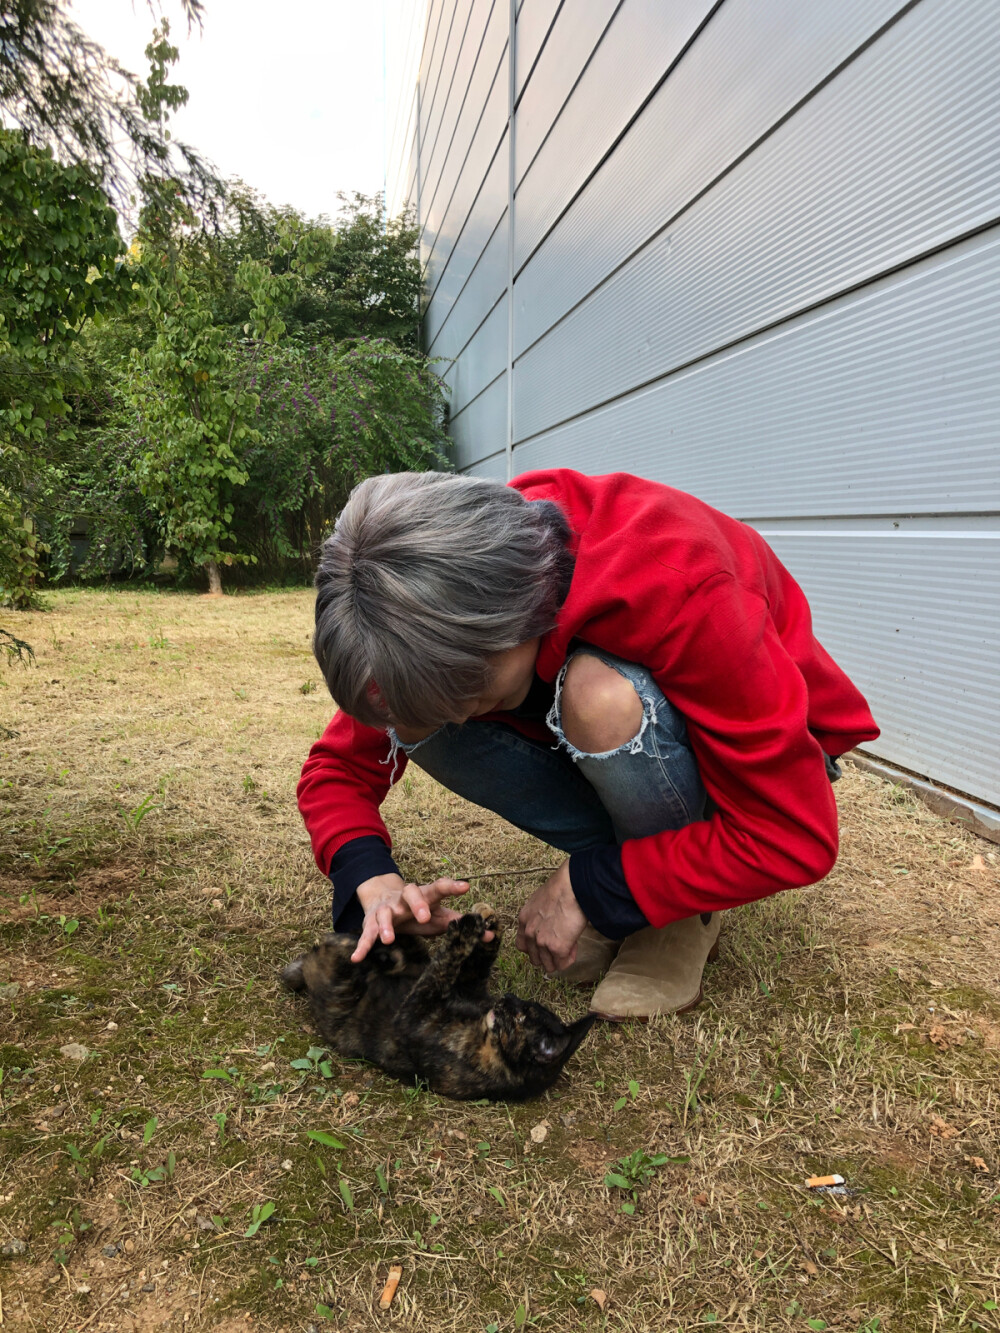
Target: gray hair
pixel 424 576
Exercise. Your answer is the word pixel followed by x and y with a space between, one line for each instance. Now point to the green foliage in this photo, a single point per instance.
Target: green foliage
pixel 358 276
pixel 59 250
pixel 259 1214
pixel 329 415
pixel 212 395
pixel 634 1172
pixel 60 246
pixel 64 90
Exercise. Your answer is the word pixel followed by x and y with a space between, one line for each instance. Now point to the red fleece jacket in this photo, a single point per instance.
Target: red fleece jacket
pixel 703 603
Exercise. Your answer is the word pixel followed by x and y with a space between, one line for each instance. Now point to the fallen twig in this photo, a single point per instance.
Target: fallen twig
pixel 500 874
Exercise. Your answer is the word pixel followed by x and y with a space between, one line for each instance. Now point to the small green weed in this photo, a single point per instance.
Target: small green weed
pixel 259 1214
pixel 314 1061
pixel 634 1172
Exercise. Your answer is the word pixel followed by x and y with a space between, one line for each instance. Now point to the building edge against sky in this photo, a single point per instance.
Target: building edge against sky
pixel 750 249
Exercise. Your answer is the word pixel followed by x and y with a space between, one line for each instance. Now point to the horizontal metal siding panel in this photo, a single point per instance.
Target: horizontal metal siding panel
pixel 454 314
pixel 480 429
pixel 885 401
pixel 437 10
pixel 483 123
pixel 898 154
pixel 468 249
pixel 761 60
pixel 493 468
pixel 481 361
pixel 454 14
pixel 444 120
pixel 571 43
pixel 534 19
pixel 399 173
pixel 926 659
pixel 642 42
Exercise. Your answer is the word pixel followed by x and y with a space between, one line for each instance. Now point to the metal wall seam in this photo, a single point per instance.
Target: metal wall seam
pixel 897 156
pixel 532 31
pixel 472 280
pixel 493 468
pixel 424 72
pixel 452 114
pixel 483 358
pixel 449 68
pixel 624 203
pixel 889 612
pixel 479 429
pixel 435 68
pixel 476 269
pixel 636 54
pixel 817 415
pixel 576 34
pixel 474 145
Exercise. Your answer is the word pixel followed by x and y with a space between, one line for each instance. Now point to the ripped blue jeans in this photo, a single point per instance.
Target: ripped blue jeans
pixel 555 792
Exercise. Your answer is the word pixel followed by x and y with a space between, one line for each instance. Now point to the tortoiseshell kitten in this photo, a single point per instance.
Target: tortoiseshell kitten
pixel 431 1016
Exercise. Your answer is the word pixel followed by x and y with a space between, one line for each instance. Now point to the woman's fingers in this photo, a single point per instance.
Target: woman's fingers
pixel 417 903
pixel 445 888
pixel 369 934
pixel 383 915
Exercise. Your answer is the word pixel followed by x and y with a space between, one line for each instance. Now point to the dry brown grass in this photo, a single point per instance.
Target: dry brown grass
pixel 153 874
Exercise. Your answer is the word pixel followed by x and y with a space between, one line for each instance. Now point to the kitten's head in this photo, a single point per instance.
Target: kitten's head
pixel 527 1035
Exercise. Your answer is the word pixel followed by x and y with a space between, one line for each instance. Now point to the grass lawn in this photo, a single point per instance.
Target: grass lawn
pixel 191 1160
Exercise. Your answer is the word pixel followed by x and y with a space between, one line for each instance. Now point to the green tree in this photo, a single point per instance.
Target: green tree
pixel 66 92
pixel 331 414
pixel 363 279
pixel 194 407
pixel 59 268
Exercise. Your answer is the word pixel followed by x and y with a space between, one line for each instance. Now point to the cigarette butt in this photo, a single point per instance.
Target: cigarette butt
pixel 816 1182
pixel 392 1282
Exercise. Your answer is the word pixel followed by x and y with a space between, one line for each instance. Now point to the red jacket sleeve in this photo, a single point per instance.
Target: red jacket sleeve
pixel 746 703
pixel 345 779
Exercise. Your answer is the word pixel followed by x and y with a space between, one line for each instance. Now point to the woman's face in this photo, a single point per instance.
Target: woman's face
pixel 509 683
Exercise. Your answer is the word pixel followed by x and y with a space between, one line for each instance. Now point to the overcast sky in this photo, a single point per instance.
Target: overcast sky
pixel 287 94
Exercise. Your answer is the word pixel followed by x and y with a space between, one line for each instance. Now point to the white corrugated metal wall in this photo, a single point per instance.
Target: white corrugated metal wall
pixel 755 253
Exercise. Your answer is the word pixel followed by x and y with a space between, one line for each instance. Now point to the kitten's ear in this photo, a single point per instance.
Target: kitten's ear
pixel 551 1046
pixel 578 1030
pixel 292 975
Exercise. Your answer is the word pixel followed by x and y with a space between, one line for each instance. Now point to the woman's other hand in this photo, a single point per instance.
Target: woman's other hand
pixel 550 923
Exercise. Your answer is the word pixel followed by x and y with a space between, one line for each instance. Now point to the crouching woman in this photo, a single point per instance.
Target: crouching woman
pixel 612 666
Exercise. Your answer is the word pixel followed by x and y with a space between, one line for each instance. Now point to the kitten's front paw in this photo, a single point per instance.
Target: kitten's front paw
pixel 489 916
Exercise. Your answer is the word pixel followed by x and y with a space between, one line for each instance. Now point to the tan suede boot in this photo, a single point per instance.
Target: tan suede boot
pixel 658 971
pixel 594 955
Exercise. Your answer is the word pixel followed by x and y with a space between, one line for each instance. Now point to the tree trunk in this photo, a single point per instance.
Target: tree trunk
pixel 214 578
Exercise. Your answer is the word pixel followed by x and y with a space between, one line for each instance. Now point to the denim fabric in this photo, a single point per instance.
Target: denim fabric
pixel 572 800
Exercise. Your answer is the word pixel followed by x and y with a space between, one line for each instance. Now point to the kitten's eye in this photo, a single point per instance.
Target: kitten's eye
pixel 548 1049
pixel 519 1018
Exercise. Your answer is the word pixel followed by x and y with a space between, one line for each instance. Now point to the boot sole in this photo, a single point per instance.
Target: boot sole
pixel 713 954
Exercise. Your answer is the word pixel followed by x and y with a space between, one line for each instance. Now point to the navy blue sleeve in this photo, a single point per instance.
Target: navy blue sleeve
pixel 356 861
pixel 599 887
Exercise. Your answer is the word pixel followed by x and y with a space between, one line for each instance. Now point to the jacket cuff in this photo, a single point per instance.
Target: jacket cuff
pixel 358 860
pixel 599 886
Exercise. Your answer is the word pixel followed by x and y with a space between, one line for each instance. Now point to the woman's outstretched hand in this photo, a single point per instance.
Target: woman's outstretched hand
pixel 412 909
